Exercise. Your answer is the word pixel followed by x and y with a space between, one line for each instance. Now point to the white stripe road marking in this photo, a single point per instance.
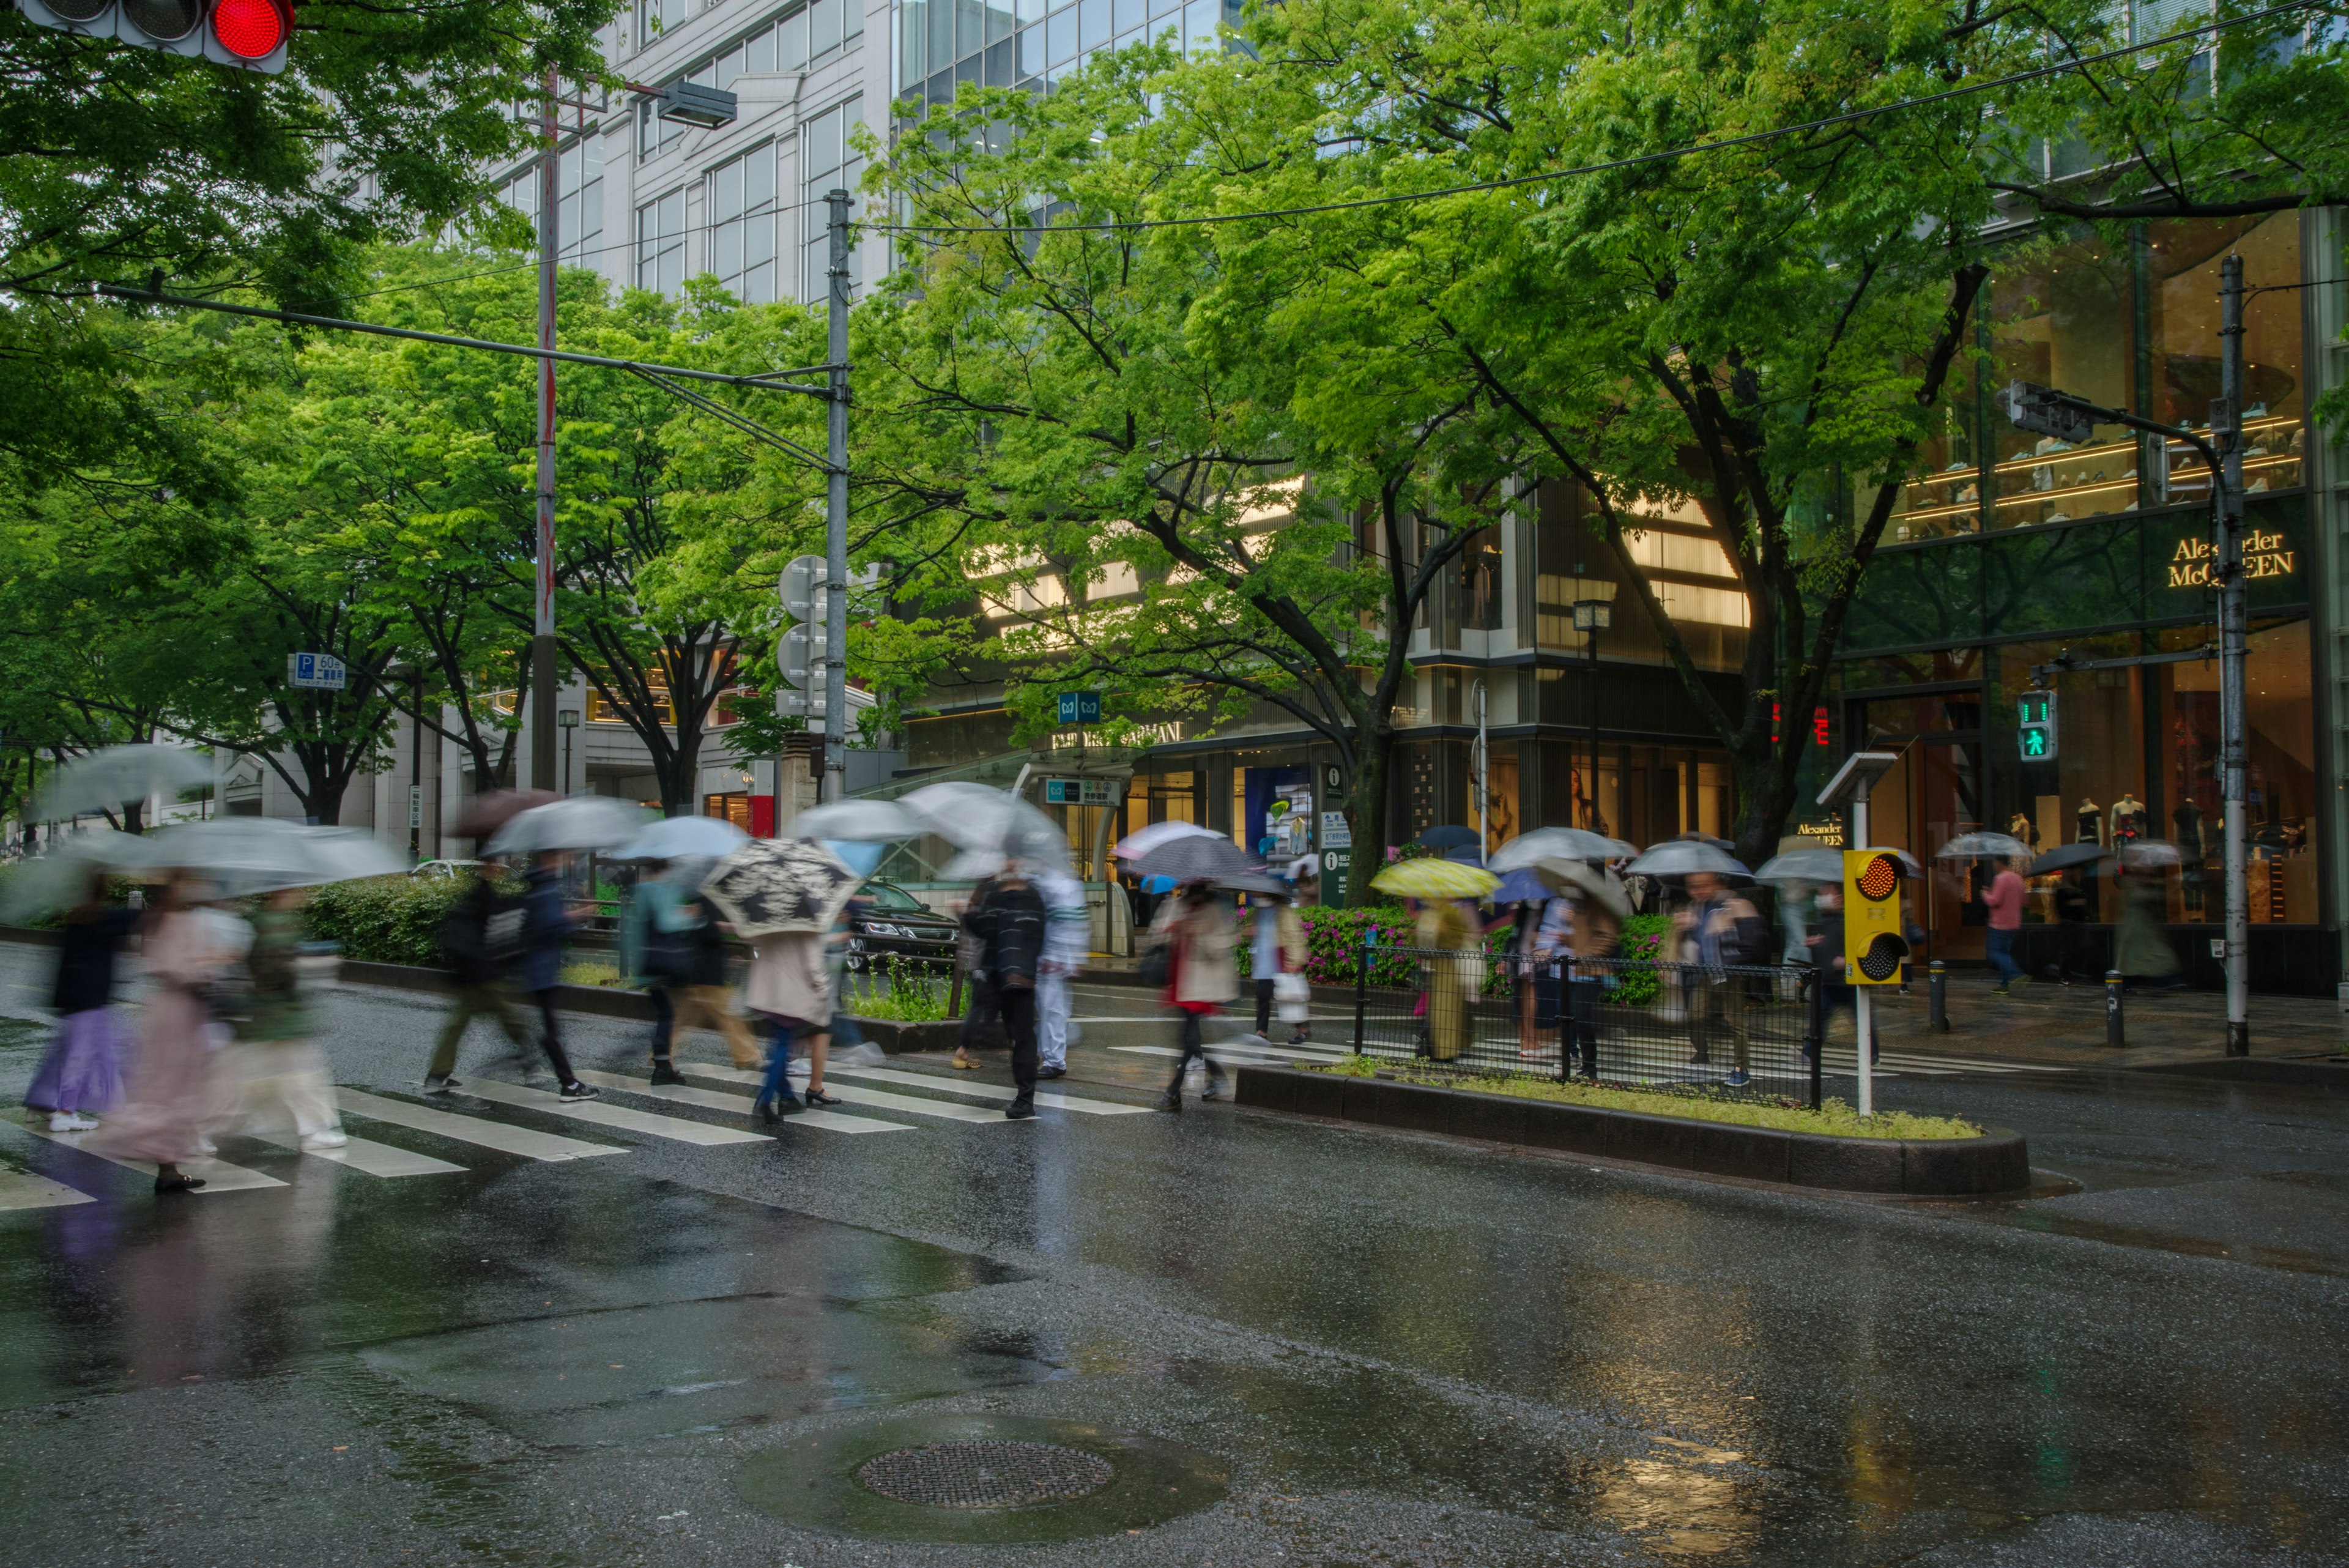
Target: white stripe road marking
pixel 528 1142
pixel 870 1099
pixel 369 1157
pixel 1051 1097
pixel 679 1128
pixel 23 1190
pixel 218 1176
pixel 724 1100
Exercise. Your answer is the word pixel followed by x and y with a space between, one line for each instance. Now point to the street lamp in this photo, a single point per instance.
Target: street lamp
pixel 1591 617
pixel 568 719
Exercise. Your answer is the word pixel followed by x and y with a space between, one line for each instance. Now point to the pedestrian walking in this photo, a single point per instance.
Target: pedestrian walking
pixel 278 1065
pixel 1276 958
pixel 1725 931
pixel 1067 942
pixel 983 1009
pixel 1452 972
pixel 1583 930
pixel 2005 901
pixel 169 1099
pixel 81 1077
pixel 2074 949
pixel 2141 949
pixel 548 919
pixel 1193 926
pixel 479 942
pixel 673 945
pixel 1010 928
pixel 1833 971
pixel 787 986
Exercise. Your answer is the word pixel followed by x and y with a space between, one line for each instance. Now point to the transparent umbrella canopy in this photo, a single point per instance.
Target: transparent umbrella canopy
pixel 106 780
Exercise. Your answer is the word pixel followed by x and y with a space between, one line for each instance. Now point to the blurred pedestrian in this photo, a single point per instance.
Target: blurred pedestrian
pixel 1833 971
pixel 278 1063
pixel 672 943
pixel 2141 948
pixel 169 1104
pixel 1193 925
pixel 2004 900
pixel 1452 970
pixel 479 942
pixel 81 1077
pixel 549 917
pixel 1595 906
pixel 1725 931
pixel 1010 926
pixel 1276 948
pixel 787 986
pixel 2074 949
pixel 983 1009
pixel 1067 942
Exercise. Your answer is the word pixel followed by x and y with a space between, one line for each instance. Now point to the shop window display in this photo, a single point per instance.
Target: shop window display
pixel 2183 260
pixel 2281 786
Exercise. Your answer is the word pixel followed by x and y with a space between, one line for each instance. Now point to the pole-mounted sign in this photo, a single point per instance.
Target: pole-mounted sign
pixel 315 672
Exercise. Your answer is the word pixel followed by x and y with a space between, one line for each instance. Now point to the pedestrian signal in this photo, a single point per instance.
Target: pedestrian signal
pixel 1872 943
pixel 2036 711
pixel 250 35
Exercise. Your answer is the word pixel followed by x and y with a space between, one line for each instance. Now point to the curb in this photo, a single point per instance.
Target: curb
pixel 1995 1165
pixel 2300 1074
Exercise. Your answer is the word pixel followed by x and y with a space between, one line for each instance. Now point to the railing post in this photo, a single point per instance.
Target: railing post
pixel 2114 1033
pixel 954 999
pixel 1937 994
pixel 1815 1031
pixel 1564 975
pixel 1362 985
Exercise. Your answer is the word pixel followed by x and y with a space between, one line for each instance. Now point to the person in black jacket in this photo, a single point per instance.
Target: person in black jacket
pixel 481 941
pixel 1010 926
pixel 82 1075
pixel 1726 931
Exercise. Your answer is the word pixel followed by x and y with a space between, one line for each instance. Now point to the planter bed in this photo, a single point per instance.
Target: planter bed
pixel 1995 1164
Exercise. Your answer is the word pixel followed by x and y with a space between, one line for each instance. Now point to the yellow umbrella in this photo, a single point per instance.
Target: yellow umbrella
pixel 1429 877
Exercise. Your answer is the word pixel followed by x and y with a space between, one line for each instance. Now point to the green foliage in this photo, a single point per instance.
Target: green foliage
pixel 1643 940
pixel 899 991
pixel 386 920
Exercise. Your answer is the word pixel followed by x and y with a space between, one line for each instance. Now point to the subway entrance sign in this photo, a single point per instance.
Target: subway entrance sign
pixel 2036 711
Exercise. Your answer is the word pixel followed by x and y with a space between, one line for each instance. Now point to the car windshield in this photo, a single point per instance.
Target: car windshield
pixel 885 897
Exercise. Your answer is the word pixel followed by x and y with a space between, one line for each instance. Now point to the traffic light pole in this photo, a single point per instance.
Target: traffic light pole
pixel 542 655
pixel 835 509
pixel 2233 645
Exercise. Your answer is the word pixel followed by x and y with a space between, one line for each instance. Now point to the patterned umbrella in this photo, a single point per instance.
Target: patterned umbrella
pixel 771 886
pixel 1428 878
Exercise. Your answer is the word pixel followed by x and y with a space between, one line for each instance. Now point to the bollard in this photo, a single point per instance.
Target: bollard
pixel 1362 986
pixel 1814 1040
pixel 2113 1033
pixel 1565 1021
pixel 1936 995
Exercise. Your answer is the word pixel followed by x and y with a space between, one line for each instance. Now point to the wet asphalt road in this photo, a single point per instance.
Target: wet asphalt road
pixel 1401 1350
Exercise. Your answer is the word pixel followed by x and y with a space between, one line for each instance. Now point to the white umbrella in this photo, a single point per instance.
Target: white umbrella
pixel 1823 866
pixel 1683 857
pixel 107 779
pixel 857 821
pixel 1530 849
pixel 974 817
pixel 59 879
pixel 260 854
pixel 576 822
pixel 2144 854
pixel 683 837
pixel 1983 847
pixel 1141 841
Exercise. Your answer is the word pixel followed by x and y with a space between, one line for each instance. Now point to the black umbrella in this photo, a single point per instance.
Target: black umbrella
pixel 1196 860
pixel 2063 856
pixel 776 885
pixel 1450 837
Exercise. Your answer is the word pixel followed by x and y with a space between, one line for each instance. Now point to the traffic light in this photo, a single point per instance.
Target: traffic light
pixel 1872 943
pixel 2043 410
pixel 250 35
pixel 2036 708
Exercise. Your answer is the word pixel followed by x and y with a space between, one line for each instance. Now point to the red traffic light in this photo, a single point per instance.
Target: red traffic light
pixel 250 29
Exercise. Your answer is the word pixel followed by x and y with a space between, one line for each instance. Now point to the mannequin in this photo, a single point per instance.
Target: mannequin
pixel 2129 819
pixel 2026 829
pixel 2091 822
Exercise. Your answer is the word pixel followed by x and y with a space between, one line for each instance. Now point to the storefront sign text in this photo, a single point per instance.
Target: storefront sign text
pixel 2264 555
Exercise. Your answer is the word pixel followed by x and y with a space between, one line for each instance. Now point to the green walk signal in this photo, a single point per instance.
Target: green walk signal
pixel 2036 709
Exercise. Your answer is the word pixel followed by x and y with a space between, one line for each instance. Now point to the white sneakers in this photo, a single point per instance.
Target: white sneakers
pixel 71 1121
pixel 332 1138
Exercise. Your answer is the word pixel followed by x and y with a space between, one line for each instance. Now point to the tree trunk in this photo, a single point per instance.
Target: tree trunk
pixel 1368 820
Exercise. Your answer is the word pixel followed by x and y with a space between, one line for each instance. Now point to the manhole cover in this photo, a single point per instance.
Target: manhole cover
pixel 985 1474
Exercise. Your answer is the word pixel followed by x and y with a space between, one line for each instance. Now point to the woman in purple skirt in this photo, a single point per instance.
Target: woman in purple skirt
pixel 81 1078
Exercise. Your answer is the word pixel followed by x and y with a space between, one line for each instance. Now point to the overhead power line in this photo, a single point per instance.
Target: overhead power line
pixel 1636 160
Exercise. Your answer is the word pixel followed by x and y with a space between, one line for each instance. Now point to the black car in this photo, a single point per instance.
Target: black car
pixel 887 920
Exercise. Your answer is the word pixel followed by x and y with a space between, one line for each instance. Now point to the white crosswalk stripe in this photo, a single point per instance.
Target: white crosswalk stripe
pixel 1051 1097
pixel 679 1129
pixel 23 1190
pixel 369 1157
pixel 867 1099
pixel 729 1100
pixel 480 1131
pixel 217 1175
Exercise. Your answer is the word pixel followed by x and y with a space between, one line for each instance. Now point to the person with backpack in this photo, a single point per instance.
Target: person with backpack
pixel 1010 926
pixel 672 945
pixel 483 939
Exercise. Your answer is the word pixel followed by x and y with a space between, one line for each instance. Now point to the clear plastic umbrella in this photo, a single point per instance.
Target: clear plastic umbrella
pixel 1557 844
pixel 683 837
pixel 106 780
pixel 2144 854
pixel 1685 858
pixel 1141 842
pixel 59 877
pixel 857 821
pixel 1823 865
pixel 249 855
pixel 974 817
pixel 1983 847
pixel 577 821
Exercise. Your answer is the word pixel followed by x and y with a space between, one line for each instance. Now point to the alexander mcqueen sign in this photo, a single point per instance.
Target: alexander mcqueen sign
pixel 2265 554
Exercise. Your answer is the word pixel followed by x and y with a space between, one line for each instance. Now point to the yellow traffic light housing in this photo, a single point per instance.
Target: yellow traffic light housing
pixel 1872 943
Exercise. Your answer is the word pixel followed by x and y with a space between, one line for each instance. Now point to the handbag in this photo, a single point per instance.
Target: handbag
pixel 1153 966
pixel 1294 998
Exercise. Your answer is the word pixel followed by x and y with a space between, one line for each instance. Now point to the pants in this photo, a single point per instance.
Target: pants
pixel 1052 1020
pixel 1194 1047
pixel 1264 1006
pixel 1847 997
pixel 986 1006
pixel 553 1039
pixel 1717 1008
pixel 1999 946
pixel 1580 1026
pixel 777 1085
pixel 472 1001
pixel 699 1007
pixel 1019 1005
pixel 291 1074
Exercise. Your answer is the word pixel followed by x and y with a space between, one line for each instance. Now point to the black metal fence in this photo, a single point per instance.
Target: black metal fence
pixel 1619 1021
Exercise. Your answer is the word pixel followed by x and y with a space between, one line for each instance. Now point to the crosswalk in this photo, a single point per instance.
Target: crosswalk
pixel 736 1104
pixel 1051 1099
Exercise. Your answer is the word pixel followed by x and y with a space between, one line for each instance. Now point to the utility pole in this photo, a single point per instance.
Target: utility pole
pixel 835 510
pixel 542 644
pixel 2227 427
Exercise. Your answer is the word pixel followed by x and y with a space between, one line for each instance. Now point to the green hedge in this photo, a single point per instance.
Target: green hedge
pixel 1334 948
pixel 387 920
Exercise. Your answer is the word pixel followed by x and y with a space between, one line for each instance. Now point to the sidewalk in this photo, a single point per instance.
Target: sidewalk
pixel 2044 1022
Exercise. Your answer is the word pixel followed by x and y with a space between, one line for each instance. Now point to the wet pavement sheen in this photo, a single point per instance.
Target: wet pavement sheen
pixel 1384 1348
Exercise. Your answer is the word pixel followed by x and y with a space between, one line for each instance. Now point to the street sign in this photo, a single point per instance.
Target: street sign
pixel 315 672
pixel 1335 832
pixel 802 582
pixel 415 805
pixel 1080 707
pixel 2043 410
pixel 1076 792
pixel 2036 711
pixel 800 657
pixel 1872 943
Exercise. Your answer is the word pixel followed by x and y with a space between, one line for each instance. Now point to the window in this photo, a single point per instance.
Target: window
pixel 742 246
pixel 655 17
pixel 660 244
pixel 579 203
pixel 654 134
pixel 829 164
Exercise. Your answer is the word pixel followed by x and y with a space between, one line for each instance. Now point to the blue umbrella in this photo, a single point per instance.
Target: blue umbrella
pixel 1159 884
pixel 1521 886
pixel 859 856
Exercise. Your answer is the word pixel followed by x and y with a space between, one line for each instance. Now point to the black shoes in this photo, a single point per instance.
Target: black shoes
pixel 1020 1110
pixel 439 1083
pixel 774 1111
pixel 818 1098
pixel 664 1073
pixel 1172 1100
pixel 574 1090
pixel 175 1182
pixel 1042 1072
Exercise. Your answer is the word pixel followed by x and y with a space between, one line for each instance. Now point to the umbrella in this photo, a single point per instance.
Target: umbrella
pixel 1558 844
pixel 578 822
pixel 974 817
pixel 2063 856
pixel 1692 836
pixel 1685 856
pixel 1522 886
pixel 260 855
pixel 858 856
pixel 770 886
pixel 2144 854
pixel 681 837
pixel 1203 858
pixel 1449 837
pixel 1824 865
pixel 109 778
pixel 1136 844
pixel 1425 877
pixel 859 821
pixel 1159 884
pixel 485 814
pixel 1594 883
pixel 1985 847
pixel 1254 882
pixel 59 879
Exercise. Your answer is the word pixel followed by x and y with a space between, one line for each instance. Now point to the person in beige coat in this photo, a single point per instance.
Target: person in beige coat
pixel 1196 928
pixel 789 984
